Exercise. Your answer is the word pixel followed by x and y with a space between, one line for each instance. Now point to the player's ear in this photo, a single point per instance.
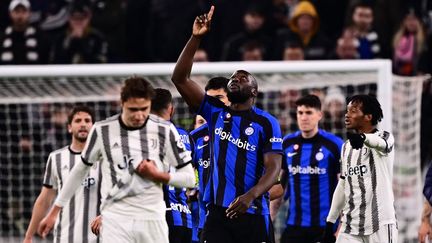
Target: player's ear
pixel 254 92
pixel 69 128
pixel 368 117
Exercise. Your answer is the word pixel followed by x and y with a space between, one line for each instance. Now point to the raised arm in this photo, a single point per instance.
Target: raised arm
pixel 190 90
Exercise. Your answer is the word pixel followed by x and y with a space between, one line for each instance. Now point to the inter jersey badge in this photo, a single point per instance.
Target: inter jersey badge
pixel 206 138
pixel 296 146
pixel 228 116
pixel 249 131
pixel 319 156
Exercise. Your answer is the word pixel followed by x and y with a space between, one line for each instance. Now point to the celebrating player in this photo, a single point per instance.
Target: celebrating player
pixel 246 151
pixel 364 192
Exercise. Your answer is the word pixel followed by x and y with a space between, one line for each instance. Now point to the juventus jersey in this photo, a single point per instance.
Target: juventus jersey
pixel 368 174
pixel 73 223
pixel 120 150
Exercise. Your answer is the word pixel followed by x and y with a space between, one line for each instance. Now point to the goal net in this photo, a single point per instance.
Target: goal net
pixel 35 101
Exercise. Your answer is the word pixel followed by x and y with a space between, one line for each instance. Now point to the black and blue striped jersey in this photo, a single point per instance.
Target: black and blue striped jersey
pixel 312 166
pixel 239 141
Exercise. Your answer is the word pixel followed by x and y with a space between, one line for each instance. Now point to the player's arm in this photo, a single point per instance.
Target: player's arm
pixel 425 226
pixel 189 90
pixel 338 201
pixel 277 190
pixel 272 165
pixel 383 143
pixel 40 208
pixel 177 156
pixel 76 176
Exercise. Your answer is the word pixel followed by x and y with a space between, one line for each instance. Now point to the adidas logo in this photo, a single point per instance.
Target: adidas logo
pixel 116 145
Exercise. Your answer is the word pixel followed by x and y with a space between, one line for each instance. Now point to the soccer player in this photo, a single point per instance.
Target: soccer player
pixel 246 147
pixel 136 150
pixel 73 223
pixel 310 171
pixel 178 214
pixel 200 138
pixel 364 192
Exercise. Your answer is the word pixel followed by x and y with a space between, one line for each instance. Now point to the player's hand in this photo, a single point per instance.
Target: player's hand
pixel 192 195
pixel 202 23
pixel 46 225
pixel 147 169
pixel 356 139
pixel 328 236
pixel 239 206
pixel 96 224
pixel 424 230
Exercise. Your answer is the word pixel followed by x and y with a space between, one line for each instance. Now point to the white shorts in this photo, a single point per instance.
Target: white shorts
pixel 124 230
pixel 386 234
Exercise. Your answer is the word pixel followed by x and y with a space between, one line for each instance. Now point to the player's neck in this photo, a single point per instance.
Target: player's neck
pixel 309 134
pixel 77 146
pixel 366 129
pixel 242 106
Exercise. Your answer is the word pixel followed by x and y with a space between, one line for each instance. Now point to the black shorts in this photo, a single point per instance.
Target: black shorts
pixel 180 234
pixel 302 234
pixel 247 228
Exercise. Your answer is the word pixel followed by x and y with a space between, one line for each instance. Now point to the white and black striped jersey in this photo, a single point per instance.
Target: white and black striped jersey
pixel 73 223
pixel 120 150
pixel 368 173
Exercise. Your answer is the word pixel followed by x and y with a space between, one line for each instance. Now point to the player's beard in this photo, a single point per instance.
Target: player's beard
pixel 81 139
pixel 238 97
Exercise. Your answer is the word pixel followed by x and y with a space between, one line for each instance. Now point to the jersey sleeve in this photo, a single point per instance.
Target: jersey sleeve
pixel 92 149
pixel 49 179
pixel 273 136
pixel 177 154
pixel 209 106
pixel 341 160
pixel 383 142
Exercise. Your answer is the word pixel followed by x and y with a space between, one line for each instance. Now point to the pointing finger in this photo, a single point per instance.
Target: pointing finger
pixel 210 13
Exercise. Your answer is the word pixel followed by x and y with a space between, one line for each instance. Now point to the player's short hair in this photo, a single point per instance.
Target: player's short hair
pixel 362 4
pixel 217 83
pixel 136 87
pixel 161 100
pixel 80 108
pixel 309 100
pixel 369 105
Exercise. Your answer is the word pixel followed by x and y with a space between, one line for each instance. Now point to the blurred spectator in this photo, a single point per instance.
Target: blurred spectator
pixel 294 52
pixel 334 111
pixel 425 62
pixel 200 56
pixel 407 44
pixel 347 44
pixel 169 27
pixel 109 16
pixel 280 12
pixel 20 42
pixel 304 29
pixel 54 16
pixel 80 43
pixel 254 20
pixel 252 51
pixel 362 19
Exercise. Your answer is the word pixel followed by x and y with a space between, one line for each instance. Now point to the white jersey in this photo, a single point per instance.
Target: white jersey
pixel 73 224
pixel 368 172
pixel 120 150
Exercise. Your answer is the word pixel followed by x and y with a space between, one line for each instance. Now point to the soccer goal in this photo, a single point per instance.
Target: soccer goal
pixel 35 100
